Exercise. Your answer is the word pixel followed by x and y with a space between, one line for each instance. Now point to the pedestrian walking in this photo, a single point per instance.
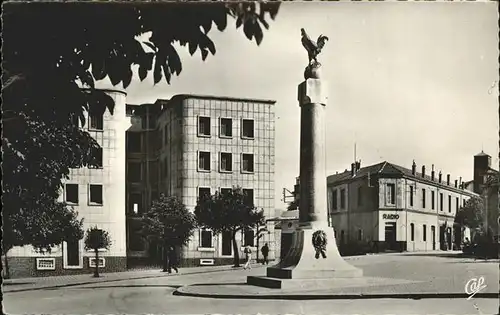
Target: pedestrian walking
pixel 265 253
pixel 172 260
pixel 248 256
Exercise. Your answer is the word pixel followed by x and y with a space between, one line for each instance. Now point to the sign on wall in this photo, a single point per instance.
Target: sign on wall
pixel 390 216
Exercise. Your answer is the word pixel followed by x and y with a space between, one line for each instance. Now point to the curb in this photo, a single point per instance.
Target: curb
pixel 406 296
pixel 109 280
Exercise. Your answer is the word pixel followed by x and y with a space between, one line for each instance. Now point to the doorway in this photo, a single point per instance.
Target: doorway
pixel 227 246
pixel 390 235
pixel 433 236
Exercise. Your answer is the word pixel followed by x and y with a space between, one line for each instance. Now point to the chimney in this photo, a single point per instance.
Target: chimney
pixel 456 183
pixel 423 170
pixel 448 179
pixel 358 165
pixel 432 173
pixel 460 184
pixel 414 168
pixel 440 176
pixel 353 169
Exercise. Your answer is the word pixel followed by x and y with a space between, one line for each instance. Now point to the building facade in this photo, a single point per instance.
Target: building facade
pixel 192 145
pixel 98 194
pixel 389 207
pixel 486 184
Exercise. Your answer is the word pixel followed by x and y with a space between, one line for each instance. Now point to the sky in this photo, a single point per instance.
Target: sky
pixel 407 81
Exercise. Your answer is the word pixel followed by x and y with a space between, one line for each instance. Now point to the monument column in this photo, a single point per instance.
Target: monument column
pixel 313 192
pixel 313 258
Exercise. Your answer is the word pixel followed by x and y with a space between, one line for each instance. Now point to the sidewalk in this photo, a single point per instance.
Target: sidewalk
pixel 38 283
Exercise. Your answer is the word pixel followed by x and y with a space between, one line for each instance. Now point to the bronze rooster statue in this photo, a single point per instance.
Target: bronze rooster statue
pixel 313 48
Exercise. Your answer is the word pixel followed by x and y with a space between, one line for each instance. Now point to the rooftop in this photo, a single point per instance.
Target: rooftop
pixel 387 168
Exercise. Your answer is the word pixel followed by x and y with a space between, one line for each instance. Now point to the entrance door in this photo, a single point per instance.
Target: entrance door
pixel 227 246
pixel 390 235
pixel 433 235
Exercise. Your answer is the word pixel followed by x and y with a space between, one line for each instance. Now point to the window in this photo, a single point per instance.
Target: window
pixel 249 238
pixel 360 196
pixel 224 191
pixel 334 199
pixel 96 122
pixel 449 203
pixel 226 162
pixel 165 134
pixel 135 239
pixel 360 235
pixel 72 193
pixel 96 157
pixel 433 200
pixel 423 198
pixel 411 196
pixel 204 161
pixel 204 126
pixel 226 127
pixel 203 191
pixel 134 172
pixel 247 130
pixel 205 238
pixel 95 192
pixel 135 203
pixel 247 163
pixel 248 197
pixel 72 253
pixel 342 199
pixel 424 236
pixel 412 232
pixel 134 142
pixel 457 204
pixel 391 194
pixel 441 201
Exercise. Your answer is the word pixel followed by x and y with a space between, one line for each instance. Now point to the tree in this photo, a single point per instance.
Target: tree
pixel 52 50
pixel 228 212
pixel 42 229
pixel 471 214
pixel 96 239
pixel 169 222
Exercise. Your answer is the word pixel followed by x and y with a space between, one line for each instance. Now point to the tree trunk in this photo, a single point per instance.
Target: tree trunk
pixel 96 270
pixel 7 271
pixel 236 251
pixel 165 256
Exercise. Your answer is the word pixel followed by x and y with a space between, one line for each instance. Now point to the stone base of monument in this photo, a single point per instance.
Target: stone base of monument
pixel 305 267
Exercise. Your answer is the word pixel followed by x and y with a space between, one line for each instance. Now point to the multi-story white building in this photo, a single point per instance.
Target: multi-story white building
pixel 98 194
pixel 389 207
pixel 200 145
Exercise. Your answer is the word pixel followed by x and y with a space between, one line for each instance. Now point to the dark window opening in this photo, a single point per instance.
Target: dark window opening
pixel 226 127
pixel 204 126
pixel 247 164
pixel 96 194
pixel 72 193
pixel 248 128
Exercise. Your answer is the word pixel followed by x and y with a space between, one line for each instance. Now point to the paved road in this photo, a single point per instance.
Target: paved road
pixel 154 295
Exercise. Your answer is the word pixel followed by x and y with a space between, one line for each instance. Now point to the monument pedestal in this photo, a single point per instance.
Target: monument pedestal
pixel 301 269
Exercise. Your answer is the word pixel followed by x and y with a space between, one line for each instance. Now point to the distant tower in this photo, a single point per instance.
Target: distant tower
pixel 482 163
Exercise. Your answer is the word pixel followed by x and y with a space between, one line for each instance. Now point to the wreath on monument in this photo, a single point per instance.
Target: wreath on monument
pixel 319 242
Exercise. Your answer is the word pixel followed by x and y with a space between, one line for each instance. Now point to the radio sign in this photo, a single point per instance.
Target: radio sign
pixel 390 216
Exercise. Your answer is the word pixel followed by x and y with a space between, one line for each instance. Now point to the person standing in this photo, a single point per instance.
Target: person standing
pixel 265 254
pixel 172 260
pixel 248 256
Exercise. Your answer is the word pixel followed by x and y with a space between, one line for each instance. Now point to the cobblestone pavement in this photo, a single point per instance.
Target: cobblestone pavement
pixel 154 294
